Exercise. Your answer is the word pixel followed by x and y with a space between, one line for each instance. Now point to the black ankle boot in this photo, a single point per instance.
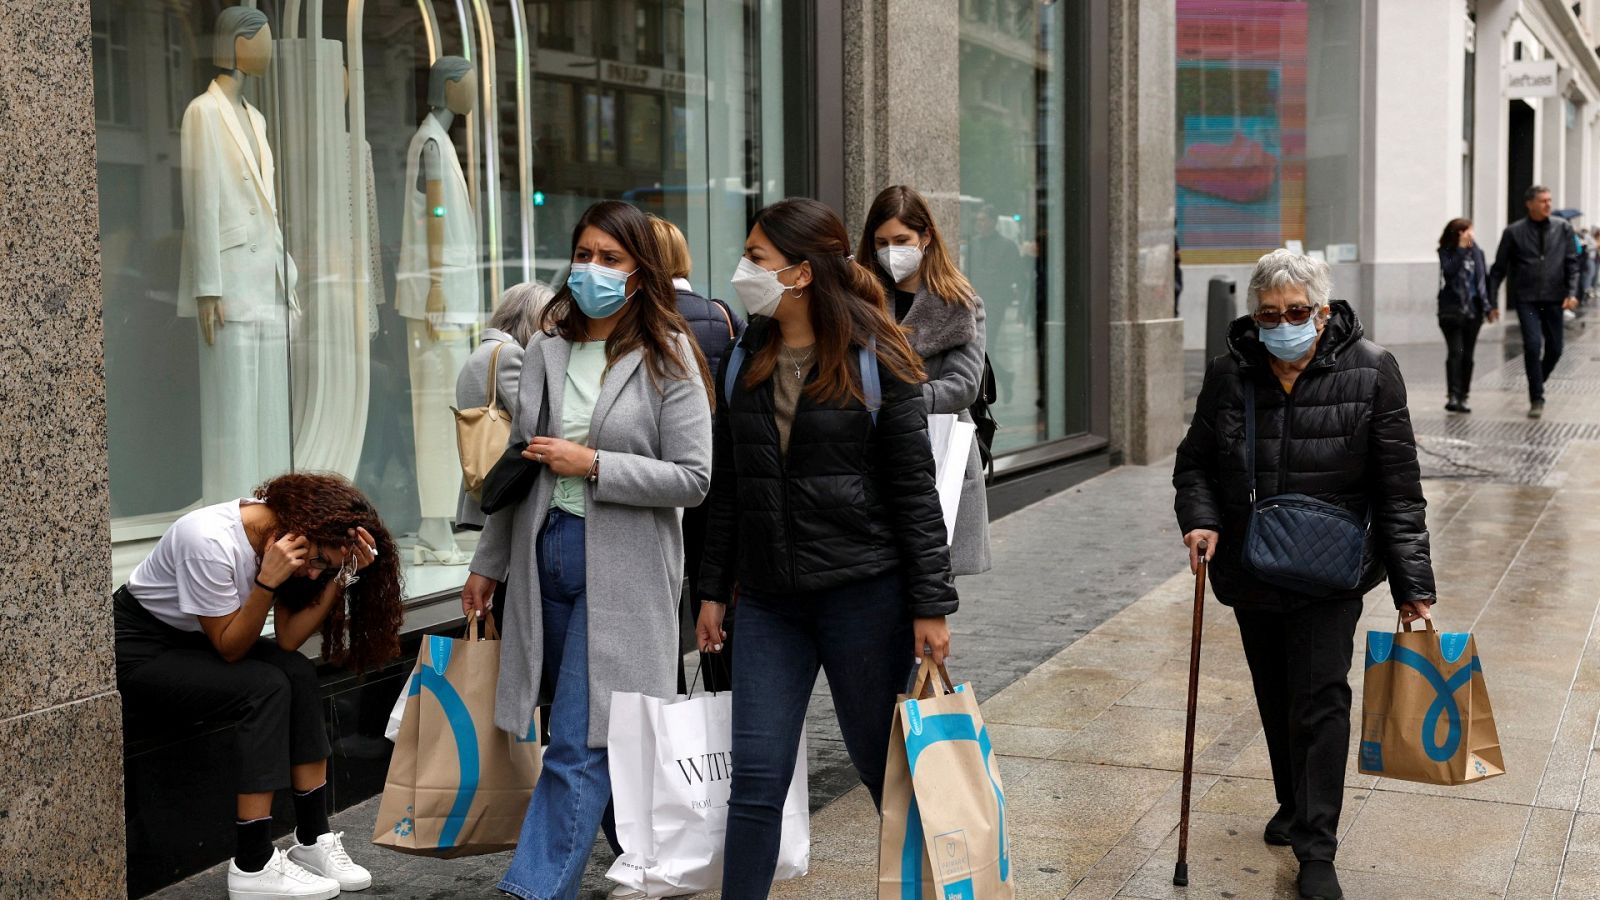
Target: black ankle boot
pixel 1277 831
pixel 1318 881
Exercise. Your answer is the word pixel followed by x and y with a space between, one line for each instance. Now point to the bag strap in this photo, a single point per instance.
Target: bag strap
pixel 730 371
pixel 494 372
pixel 1401 625
pixel 871 383
pixel 726 315
pixel 1250 435
pixel 931 676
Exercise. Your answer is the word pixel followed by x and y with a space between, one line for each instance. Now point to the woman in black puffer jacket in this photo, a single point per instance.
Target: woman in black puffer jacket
pixel 824 516
pixel 1331 422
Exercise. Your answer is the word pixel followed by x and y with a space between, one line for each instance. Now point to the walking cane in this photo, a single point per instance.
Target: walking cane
pixel 1180 871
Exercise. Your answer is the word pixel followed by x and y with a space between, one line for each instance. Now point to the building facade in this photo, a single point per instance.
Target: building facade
pixel 1040 131
pixel 1357 128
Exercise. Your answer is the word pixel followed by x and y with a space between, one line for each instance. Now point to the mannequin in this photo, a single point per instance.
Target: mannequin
pixel 235 278
pixel 438 290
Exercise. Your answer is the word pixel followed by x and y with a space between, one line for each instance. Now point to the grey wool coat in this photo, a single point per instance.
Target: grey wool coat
pixel 472 390
pixel 950 339
pixel 655 458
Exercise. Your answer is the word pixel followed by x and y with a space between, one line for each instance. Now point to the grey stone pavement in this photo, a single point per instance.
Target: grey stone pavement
pixel 1063 567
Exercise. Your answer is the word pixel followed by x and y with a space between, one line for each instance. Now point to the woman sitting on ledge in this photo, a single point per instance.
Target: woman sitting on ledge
pixel 311 550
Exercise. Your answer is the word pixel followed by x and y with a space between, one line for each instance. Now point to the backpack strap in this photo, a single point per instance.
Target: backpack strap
pixel 871 386
pixel 730 370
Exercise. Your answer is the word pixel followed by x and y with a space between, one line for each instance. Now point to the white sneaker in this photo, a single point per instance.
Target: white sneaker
pixel 280 879
pixel 327 858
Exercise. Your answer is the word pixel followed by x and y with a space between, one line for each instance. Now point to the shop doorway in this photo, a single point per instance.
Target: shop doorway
pixel 1519 157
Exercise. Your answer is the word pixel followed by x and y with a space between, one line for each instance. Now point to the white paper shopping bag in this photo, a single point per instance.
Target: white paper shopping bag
pixel 951 440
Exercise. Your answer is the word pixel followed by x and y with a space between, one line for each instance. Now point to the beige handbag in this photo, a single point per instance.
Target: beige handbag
pixel 482 433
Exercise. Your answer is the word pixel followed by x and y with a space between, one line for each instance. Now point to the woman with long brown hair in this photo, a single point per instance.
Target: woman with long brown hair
pixel 823 516
pixel 1464 304
pixel 311 551
pixel 615 406
pixel 944 320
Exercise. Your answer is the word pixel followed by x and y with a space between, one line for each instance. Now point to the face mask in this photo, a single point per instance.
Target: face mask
pixel 757 288
pixel 598 290
pixel 901 261
pixel 1290 342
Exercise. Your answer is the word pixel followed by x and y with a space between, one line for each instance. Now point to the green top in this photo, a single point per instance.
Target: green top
pixel 586 369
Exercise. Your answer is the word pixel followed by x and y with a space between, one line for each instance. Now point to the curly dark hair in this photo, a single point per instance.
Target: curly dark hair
pixel 324 508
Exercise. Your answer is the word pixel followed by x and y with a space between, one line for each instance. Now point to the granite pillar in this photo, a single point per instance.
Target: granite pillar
pixel 902 105
pixel 1146 337
pixel 61 821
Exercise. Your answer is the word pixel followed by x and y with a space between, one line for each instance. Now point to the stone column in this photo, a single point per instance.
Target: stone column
pixel 1146 338
pixel 61 821
pixel 902 106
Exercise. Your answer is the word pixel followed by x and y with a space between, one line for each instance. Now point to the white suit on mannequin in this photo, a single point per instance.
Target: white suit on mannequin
pixel 235 276
pixel 438 289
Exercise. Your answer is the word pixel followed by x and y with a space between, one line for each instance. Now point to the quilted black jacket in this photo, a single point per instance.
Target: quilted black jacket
pixel 852 500
pixel 712 324
pixel 1343 436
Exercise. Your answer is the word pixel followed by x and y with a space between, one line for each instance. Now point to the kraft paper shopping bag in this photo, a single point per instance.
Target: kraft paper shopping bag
pixel 1425 709
pixel 457 785
pixel 671 766
pixel 943 831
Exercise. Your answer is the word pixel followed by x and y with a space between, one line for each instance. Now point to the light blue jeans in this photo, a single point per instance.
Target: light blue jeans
pixel 564 815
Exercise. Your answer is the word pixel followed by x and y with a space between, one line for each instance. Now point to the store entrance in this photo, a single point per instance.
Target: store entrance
pixel 1519 157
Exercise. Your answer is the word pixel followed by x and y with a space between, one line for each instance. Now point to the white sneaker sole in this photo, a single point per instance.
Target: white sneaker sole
pixel 361 885
pixel 235 894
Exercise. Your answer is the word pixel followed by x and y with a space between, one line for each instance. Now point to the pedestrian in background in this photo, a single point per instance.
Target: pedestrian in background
pixel 1538 260
pixel 944 321
pixel 824 514
pixel 1332 423
pixel 614 401
pixel 713 325
pixel 1464 304
pixel 509 330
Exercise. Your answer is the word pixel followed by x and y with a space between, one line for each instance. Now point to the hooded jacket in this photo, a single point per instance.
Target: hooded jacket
pixel 851 500
pixel 1343 435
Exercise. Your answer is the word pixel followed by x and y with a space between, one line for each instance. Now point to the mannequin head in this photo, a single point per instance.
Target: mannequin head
pixel 244 41
pixel 452 85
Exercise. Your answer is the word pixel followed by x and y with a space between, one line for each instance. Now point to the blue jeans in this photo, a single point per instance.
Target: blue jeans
pixel 564 815
pixel 1542 327
pixel 860 634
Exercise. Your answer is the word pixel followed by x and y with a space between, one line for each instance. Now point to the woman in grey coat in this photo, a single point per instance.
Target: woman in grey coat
pixel 944 316
pixel 510 328
pixel 614 404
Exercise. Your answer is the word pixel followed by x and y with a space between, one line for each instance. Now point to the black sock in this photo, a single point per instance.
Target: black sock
pixel 311 814
pixel 252 844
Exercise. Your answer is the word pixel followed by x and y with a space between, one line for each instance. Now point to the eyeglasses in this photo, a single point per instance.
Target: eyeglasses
pixel 1271 318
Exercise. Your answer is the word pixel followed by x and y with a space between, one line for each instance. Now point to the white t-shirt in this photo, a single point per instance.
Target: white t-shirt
pixel 203 566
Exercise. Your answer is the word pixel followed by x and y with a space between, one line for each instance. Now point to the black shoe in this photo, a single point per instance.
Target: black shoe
pixel 1454 406
pixel 1318 881
pixel 1536 409
pixel 1277 832
pixel 1462 407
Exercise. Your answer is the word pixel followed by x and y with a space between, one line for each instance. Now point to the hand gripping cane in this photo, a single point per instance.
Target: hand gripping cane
pixel 1180 871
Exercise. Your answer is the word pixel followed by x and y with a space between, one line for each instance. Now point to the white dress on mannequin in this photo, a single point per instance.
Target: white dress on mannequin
pixel 233 249
pixel 435 363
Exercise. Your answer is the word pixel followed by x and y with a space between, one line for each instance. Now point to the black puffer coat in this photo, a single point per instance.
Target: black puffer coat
pixel 1343 436
pixel 851 500
pixel 711 323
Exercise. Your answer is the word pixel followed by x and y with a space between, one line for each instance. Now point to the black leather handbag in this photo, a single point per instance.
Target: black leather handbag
pixel 512 476
pixel 1295 541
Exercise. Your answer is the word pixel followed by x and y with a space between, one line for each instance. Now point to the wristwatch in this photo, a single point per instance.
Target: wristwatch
pixel 594 469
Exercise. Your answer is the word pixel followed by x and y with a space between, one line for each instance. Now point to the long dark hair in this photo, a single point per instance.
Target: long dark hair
pixel 847 302
pixel 325 508
pixel 1452 233
pixel 650 319
pixel 939 272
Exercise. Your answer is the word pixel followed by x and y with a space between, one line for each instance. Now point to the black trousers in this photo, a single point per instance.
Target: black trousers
pixel 272 694
pixel 1543 336
pixel 1300 664
pixel 1460 339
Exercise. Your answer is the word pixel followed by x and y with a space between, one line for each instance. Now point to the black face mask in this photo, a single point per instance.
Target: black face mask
pixel 297 593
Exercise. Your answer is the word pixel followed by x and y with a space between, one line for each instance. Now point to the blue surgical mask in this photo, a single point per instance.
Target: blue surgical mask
pixel 1290 342
pixel 598 290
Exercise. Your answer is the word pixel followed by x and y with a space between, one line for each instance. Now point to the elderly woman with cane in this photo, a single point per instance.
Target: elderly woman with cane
pixel 1302 434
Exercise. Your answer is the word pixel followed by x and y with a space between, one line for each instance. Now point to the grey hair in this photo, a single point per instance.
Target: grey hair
pixel 518 312
pixel 1282 269
pixel 235 22
pixel 445 70
pixel 1533 192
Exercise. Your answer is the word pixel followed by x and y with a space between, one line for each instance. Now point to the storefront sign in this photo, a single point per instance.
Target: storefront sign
pixel 1532 79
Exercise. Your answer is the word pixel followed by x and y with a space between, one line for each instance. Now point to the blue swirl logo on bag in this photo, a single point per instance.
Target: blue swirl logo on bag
pixel 914 717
